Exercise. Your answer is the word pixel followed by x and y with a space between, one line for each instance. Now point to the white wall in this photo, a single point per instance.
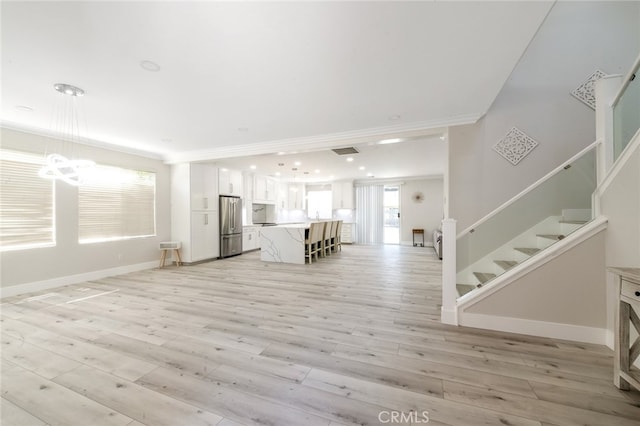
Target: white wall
pixel 426 215
pixel 576 39
pixel 50 265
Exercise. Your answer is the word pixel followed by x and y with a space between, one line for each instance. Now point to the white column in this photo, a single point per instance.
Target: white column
pixel 449 314
pixel 605 90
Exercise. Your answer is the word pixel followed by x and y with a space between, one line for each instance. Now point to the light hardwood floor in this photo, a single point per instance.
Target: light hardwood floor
pixel 352 339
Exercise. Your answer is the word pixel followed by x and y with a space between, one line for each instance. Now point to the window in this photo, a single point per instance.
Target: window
pixel 26 202
pixel 116 204
pixel 318 203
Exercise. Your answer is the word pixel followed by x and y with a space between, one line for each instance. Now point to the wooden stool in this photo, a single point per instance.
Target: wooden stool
pixel 169 246
pixel 418 232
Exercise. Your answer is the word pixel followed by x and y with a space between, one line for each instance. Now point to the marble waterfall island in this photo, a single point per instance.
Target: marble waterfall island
pixel 283 243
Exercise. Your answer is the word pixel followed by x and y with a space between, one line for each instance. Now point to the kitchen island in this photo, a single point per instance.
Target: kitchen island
pixel 283 243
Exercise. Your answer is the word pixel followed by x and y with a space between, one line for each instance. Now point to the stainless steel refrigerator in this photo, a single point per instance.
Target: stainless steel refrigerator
pixel 230 226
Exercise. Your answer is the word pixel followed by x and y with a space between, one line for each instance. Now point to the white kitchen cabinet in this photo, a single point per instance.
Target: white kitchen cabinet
pixel 230 182
pixel 282 192
pixel 204 186
pixel 194 211
pixel 346 236
pixel 342 195
pixel 296 196
pixel 264 190
pixel 247 197
pixel 205 235
pixel 250 238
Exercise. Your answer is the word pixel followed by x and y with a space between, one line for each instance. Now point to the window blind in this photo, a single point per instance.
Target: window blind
pixel 115 204
pixel 370 214
pixel 26 202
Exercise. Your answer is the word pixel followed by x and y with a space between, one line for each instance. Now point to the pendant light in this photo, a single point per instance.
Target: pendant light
pixel 58 166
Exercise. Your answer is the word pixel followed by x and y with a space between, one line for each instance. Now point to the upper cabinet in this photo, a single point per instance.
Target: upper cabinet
pixel 342 195
pixel 264 190
pixel 204 186
pixel 296 196
pixel 282 190
pixel 230 182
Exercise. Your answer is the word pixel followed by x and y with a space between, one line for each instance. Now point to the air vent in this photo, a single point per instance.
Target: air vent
pixel 345 151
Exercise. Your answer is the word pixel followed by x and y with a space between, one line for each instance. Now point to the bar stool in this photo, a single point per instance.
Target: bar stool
pixel 168 247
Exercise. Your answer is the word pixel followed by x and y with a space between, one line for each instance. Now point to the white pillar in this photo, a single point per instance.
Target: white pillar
pixel 449 313
pixel 605 90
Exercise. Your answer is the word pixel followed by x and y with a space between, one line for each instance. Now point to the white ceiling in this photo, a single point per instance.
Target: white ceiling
pixel 412 157
pixel 240 78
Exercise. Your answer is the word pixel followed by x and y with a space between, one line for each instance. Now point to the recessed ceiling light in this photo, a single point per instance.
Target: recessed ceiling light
pixel 24 108
pixel 224 170
pixel 253 167
pixel 281 153
pixel 317 170
pixel 394 117
pixel 388 141
pixel 297 163
pixel 277 173
pixel 370 174
pixel 331 176
pixel 349 159
pixel 442 137
pixel 150 66
pixel 361 167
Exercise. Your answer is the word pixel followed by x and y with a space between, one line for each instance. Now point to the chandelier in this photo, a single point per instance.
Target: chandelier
pixel 58 166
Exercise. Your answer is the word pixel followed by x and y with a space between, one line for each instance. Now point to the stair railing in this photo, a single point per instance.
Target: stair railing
pixel 626 110
pixel 567 190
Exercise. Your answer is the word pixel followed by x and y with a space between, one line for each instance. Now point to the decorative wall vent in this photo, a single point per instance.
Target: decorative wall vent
pixel 515 145
pixel 586 92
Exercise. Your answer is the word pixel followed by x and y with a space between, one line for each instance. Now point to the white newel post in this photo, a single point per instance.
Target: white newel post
pixel 449 292
pixel 605 91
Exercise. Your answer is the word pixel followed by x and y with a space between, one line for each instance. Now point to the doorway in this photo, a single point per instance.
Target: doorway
pixel 391 203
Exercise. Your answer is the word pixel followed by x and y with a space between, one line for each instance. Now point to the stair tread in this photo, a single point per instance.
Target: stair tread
pixel 464 288
pixel 483 277
pixel 551 236
pixel 505 264
pixel 527 250
pixel 574 222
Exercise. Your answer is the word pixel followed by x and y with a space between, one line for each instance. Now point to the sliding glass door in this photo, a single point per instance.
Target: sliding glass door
pixel 378 214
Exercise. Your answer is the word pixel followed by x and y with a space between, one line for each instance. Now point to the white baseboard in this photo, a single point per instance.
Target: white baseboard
pixel 610 340
pixel 15 290
pixel 553 330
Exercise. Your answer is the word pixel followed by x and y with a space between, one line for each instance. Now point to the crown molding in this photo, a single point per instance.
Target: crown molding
pixel 326 141
pixel 38 131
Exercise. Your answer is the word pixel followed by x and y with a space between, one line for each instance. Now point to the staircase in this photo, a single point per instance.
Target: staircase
pixel 530 243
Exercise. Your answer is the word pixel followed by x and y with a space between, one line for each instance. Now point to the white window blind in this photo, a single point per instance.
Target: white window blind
pixel 115 204
pixel 26 202
pixel 370 214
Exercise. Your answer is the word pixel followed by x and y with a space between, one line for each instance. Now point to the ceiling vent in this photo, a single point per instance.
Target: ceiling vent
pixel 345 151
